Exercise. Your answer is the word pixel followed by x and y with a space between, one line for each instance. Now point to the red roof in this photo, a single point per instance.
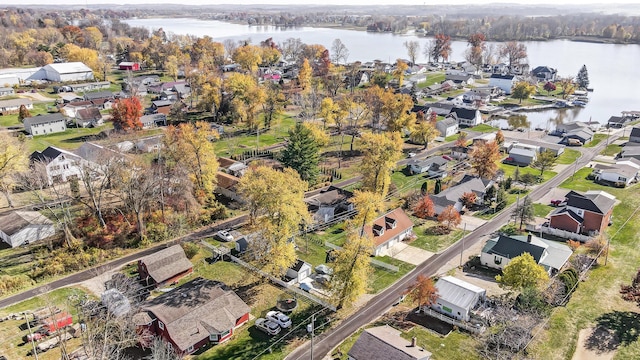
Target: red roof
pixel 402 224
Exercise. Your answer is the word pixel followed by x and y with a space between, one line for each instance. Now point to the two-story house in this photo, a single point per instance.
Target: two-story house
pixel 45 124
pixel 60 165
pixel 584 213
pixel 467 116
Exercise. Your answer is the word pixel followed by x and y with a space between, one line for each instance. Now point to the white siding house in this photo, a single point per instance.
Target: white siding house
pixel 24 227
pixel 504 82
pixel 456 298
pixel 45 124
pixel 71 71
pixel 389 230
pixel 13 105
pixel 298 272
pixel 61 165
pixel 447 127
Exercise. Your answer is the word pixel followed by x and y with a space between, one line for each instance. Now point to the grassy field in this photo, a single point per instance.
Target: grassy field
pixel 432 78
pixel 407 183
pixel 611 150
pixel 69 140
pixel 569 156
pixel 12 120
pixel 542 210
pixel 509 171
pixel 597 138
pixel 483 128
pixel 239 144
pixel 382 278
pixel 428 239
pixel 597 299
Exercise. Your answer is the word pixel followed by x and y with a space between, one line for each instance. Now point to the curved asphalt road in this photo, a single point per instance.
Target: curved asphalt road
pixel 377 306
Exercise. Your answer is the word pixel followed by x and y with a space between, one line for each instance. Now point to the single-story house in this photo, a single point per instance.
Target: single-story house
pixel 447 126
pixel 615 174
pixel 584 213
pixel 616 122
pixel 12 106
pixel 634 137
pixel 476 96
pixel 441 108
pixel 149 144
pixel 70 71
pixel 499 251
pixel 71 109
pixel 388 230
pixel 6 91
pixel 153 120
pixel 467 116
pixel 460 152
pixel 164 267
pixel 60 165
pixel 503 81
pixel 453 194
pixel 226 185
pixel 161 106
pixel 193 315
pixel 435 166
pixel 298 272
pixel 583 135
pixel 88 117
pixel 460 79
pixel 24 227
pixel 95 95
pixel 629 152
pixel 129 65
pixel 484 138
pixel 45 124
pixel 522 156
pixel 456 298
pixel 328 203
pixel 233 167
pixel 540 146
pixel 91 86
pixel 544 73
pixel 385 343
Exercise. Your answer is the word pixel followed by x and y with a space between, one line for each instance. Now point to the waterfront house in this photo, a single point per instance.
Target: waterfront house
pixel 503 81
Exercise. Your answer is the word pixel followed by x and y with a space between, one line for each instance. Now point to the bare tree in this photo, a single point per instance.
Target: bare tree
pixel 339 51
pixel 413 47
pixel 160 350
pixel 96 179
pixel 292 49
pixel 138 186
pixel 230 47
pixel 429 48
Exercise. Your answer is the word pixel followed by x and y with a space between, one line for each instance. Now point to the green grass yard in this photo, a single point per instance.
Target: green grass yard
pixel 239 144
pixel 432 78
pixel 542 210
pixel 483 128
pixel 597 138
pixel 430 240
pixel 509 171
pixel 569 156
pixel 70 139
pixel 12 120
pixel 611 150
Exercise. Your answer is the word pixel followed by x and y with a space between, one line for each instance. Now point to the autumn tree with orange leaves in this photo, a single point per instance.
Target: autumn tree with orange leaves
pixel 424 208
pixel 126 113
pixel 483 158
pixel 449 217
pixel 423 292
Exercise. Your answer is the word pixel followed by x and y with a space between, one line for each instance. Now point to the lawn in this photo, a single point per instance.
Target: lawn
pixel 509 171
pixel 483 128
pixel 599 295
pixel 542 210
pixel 382 278
pixel 611 150
pixel 597 138
pixel 406 183
pixel 12 120
pixel 429 239
pixel 432 78
pixel 69 140
pixel 239 144
pixel 569 156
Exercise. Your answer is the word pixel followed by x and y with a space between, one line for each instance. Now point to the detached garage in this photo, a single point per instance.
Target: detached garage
pixel 24 227
pixel 456 298
pixel 73 71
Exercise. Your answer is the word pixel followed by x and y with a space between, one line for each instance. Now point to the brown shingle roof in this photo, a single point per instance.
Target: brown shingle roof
pixel 402 224
pixel 226 181
pixel 225 162
pixel 166 263
pixel 197 309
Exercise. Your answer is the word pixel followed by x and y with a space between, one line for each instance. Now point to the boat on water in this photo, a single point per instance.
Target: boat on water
pixel 579 103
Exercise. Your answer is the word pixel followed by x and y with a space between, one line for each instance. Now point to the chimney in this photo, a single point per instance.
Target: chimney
pixel 414 341
pixel 529 236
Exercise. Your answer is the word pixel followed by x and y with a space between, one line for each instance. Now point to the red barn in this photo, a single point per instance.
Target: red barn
pixel 165 266
pixel 193 315
pixel 129 65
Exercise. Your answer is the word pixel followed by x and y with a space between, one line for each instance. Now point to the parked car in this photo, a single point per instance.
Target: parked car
pixel 411 154
pixel 447 157
pixel 556 203
pixel 324 269
pixel 279 318
pixel 224 235
pixel 400 299
pixel 268 326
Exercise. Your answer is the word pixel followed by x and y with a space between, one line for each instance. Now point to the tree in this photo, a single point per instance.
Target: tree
pixel 126 113
pixel 302 153
pixel 513 51
pixel 339 51
pixel 474 54
pixel 544 161
pixel 549 87
pixel 423 292
pixel 449 217
pixel 368 205
pixel 171 66
pixel 429 50
pixel 380 154
pixel 483 158
pixel 248 57
pixel 398 73
pixel 567 85
pixel 469 199
pixel 273 104
pixel 352 270
pixel 413 48
pixel 522 272
pixel 522 90
pixel 583 77
pixel 246 98
pixel 13 159
pixel 396 111
pixel 304 75
pixel 424 208
pixel 442 47
pixel 23 113
pixel 462 139
pixel 524 211
pixel 423 133
pixel 138 188
pixel 499 137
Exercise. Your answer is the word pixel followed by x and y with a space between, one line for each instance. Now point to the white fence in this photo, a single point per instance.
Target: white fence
pixel 559 233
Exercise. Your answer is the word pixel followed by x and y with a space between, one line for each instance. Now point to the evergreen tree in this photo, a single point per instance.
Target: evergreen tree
pixel 302 153
pixel 583 77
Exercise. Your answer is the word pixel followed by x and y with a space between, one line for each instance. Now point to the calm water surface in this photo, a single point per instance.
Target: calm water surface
pixel 614 70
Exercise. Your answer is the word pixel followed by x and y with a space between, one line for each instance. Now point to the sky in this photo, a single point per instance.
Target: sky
pixel 301 2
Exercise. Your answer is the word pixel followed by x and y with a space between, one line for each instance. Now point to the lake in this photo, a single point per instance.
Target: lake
pixel 614 70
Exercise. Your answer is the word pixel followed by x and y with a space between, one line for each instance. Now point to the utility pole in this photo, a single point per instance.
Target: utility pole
pixel 464 232
pixel 310 329
pixel 35 352
pixel 606 255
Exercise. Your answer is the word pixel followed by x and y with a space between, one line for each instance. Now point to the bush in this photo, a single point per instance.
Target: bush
pixel 10 284
pixel 509 230
pixel 190 249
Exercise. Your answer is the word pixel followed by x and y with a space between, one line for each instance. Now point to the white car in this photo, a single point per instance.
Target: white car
pixel 279 318
pixel 268 326
pixel 224 235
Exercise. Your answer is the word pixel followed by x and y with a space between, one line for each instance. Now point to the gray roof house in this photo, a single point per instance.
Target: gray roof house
pixel 24 227
pixel 88 117
pixel 630 152
pixel 328 203
pixel 616 122
pixel 467 116
pixel 435 166
pixel 448 126
pixel 13 105
pixel 385 343
pixel 522 156
pixel 452 195
pixel 456 298
pixel 498 251
pixel 164 266
pixel 635 135
pixel 583 135
pixel 503 81
pixel 544 73
pixel 45 124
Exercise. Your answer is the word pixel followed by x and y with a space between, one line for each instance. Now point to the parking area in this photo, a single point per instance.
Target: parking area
pixel 553 194
pixel 409 254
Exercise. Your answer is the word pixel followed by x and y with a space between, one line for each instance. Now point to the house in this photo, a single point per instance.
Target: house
pixel 435 166
pixel 456 298
pixel 298 272
pixel 499 251
pixel 583 135
pixel 161 106
pixel 149 144
pixel 441 108
pixel 634 137
pixel 385 343
pixel 447 127
pixel 24 227
pixel 328 203
pixel 129 65
pixel 164 267
pixel 91 86
pixel 544 73
pixel 460 152
pixel 388 230
pixel 70 98
pixel 243 242
pixel 619 175
pixel 95 95
pixel 503 81
pixel 70 71
pixel 629 152
pixel 153 120
pixel 226 185
pixel 616 122
pixel 460 79
pixel 12 106
pixel 452 195
pixel 60 165
pixel 484 138
pixel 193 315
pixel 476 97
pixel 45 124
pixel 521 157
pixel 71 109
pixel 88 117
pixel 499 68
pixel 584 213
pixel 540 146
pixel 6 91
pixel 467 116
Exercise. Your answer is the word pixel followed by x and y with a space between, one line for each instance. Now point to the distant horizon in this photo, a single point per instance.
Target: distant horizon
pixel 312 2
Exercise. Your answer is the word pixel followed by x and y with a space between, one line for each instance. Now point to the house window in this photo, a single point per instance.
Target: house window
pixel 213 337
pixel 497 260
pixel 223 334
pixel 190 349
pixel 160 325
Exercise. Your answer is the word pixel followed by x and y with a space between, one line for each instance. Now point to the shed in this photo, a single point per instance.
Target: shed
pixel 129 65
pixel 456 298
pixel 24 227
pixel 298 272
pixel 164 266
pixel 522 156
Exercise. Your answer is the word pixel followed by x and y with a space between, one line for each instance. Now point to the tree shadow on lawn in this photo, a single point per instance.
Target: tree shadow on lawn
pixel 614 329
pixel 248 292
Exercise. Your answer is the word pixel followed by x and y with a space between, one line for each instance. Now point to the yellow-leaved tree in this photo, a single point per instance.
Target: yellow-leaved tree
pixel 522 272
pixel 247 98
pixel 249 57
pixel 304 75
pixel 380 154
pixel 13 159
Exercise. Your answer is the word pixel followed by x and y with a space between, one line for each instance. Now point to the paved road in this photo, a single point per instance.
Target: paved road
pixel 95 271
pixel 382 302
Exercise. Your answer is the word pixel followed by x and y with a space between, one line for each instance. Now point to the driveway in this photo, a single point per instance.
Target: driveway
pixel 482 281
pixel 409 254
pixel 554 194
pixel 470 223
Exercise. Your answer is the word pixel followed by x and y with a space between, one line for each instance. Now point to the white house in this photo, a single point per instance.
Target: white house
pixel 6 91
pixel 456 298
pixel 447 127
pixel 153 120
pixel 522 156
pixel 12 106
pixel 70 71
pixel 24 227
pixel 45 124
pixel 467 116
pixel 298 272
pixel 617 174
pixel 434 166
pixel 389 230
pixel 61 165
pixel 499 251
pixel 504 82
